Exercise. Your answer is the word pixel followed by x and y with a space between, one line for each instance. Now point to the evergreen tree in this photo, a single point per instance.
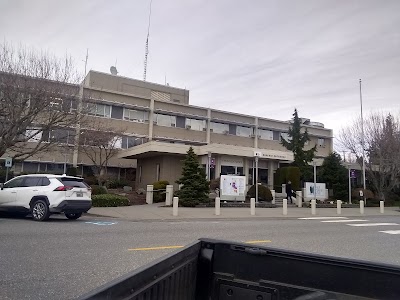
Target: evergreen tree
pixel 195 187
pixel 295 143
pixel 335 175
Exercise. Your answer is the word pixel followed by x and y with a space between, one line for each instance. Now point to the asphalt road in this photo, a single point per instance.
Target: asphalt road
pixel 62 259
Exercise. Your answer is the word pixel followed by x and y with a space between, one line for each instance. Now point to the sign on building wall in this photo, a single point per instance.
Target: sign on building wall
pixel 320 190
pixel 233 187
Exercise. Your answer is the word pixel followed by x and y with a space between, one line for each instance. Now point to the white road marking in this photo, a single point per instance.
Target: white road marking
pixel 322 218
pixel 101 223
pixel 373 224
pixel 391 231
pixel 343 221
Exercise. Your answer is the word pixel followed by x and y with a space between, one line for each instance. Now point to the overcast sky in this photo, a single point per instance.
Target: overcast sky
pixel 258 57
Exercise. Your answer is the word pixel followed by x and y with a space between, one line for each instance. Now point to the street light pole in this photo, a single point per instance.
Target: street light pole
pixel 315 180
pixel 362 142
pixel 349 183
pixel 256 159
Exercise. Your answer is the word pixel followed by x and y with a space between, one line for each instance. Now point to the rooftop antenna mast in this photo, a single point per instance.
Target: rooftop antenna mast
pixel 146 52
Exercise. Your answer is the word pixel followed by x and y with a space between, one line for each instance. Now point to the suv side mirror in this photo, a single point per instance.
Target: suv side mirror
pixel 1 186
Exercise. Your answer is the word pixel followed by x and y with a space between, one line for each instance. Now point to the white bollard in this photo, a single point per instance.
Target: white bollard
pixel 217 206
pixel 284 207
pixel 362 207
pixel 298 197
pixel 149 194
pixel 169 193
pixel 175 206
pixel 252 206
pixel 339 207
pixel 313 207
pixel 273 196
pixel 382 206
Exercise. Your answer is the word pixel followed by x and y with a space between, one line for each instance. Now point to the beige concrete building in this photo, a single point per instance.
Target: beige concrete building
pixel 160 125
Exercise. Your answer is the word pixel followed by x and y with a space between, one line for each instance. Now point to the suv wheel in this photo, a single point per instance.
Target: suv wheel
pixel 73 216
pixel 40 210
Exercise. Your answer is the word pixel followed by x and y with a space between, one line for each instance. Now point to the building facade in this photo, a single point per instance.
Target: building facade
pixel 160 125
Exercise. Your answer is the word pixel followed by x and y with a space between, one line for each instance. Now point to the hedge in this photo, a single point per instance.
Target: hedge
pixel 159 196
pixel 109 200
pixel 98 190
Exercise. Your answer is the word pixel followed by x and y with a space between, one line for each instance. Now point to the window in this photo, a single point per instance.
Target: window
pixel 220 127
pixel 33 135
pixel 244 131
pixel 31 181
pixel 56 104
pixel 231 170
pixel 44 181
pixel 321 142
pixel 165 120
pixel 61 136
pixel 194 124
pixel 74 182
pixel 136 115
pixel 285 136
pixel 100 110
pixel 276 135
pixel 266 134
pixel 13 183
pixel 132 141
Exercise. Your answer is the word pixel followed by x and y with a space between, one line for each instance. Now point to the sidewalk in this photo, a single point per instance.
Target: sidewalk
pixel 154 212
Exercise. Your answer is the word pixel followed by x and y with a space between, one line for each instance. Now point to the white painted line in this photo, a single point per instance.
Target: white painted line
pixel 391 231
pixel 373 224
pixel 101 223
pixel 343 221
pixel 322 218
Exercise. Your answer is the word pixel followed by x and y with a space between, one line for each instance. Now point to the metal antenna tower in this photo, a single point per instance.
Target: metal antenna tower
pixel 146 52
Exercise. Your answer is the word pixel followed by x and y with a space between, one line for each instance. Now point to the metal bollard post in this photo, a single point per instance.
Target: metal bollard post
pixel 149 194
pixel 169 192
pixel 217 206
pixel 299 200
pixel 382 206
pixel 313 207
pixel 175 206
pixel 362 207
pixel 273 196
pixel 252 206
pixel 339 207
pixel 284 207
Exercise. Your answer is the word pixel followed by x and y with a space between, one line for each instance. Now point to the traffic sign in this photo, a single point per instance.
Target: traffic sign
pixel 8 162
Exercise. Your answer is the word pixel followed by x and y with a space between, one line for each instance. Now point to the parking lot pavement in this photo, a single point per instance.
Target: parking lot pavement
pixel 62 259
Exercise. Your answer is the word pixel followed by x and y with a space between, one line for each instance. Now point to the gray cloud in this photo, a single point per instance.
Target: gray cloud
pixel 254 57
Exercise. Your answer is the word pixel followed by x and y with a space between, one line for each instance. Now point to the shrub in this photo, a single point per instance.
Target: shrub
pixel 72 172
pixel 264 193
pixel 109 200
pixel 98 190
pixel 90 180
pixel 188 203
pixel 159 196
pixel 115 183
pixel 3 175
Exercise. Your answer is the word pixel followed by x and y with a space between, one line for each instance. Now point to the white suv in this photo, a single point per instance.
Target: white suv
pixel 42 195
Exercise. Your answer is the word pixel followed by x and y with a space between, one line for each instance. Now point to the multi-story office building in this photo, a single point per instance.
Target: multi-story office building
pixel 160 125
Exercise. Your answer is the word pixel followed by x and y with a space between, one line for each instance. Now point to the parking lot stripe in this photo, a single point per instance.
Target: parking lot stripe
pixel 391 231
pixel 258 242
pixel 322 218
pixel 155 248
pixel 343 221
pixel 372 224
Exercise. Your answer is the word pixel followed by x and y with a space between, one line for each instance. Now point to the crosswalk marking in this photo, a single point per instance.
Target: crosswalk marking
pixel 391 231
pixel 343 221
pixel 373 224
pixel 322 218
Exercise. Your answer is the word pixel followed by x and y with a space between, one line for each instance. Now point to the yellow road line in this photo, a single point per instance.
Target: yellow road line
pixel 155 248
pixel 177 247
pixel 258 242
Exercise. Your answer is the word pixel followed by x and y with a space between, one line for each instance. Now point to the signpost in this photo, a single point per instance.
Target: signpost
pixel 8 165
pixel 257 154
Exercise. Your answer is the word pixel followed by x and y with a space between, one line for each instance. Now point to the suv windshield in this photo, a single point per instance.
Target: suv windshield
pixel 75 182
